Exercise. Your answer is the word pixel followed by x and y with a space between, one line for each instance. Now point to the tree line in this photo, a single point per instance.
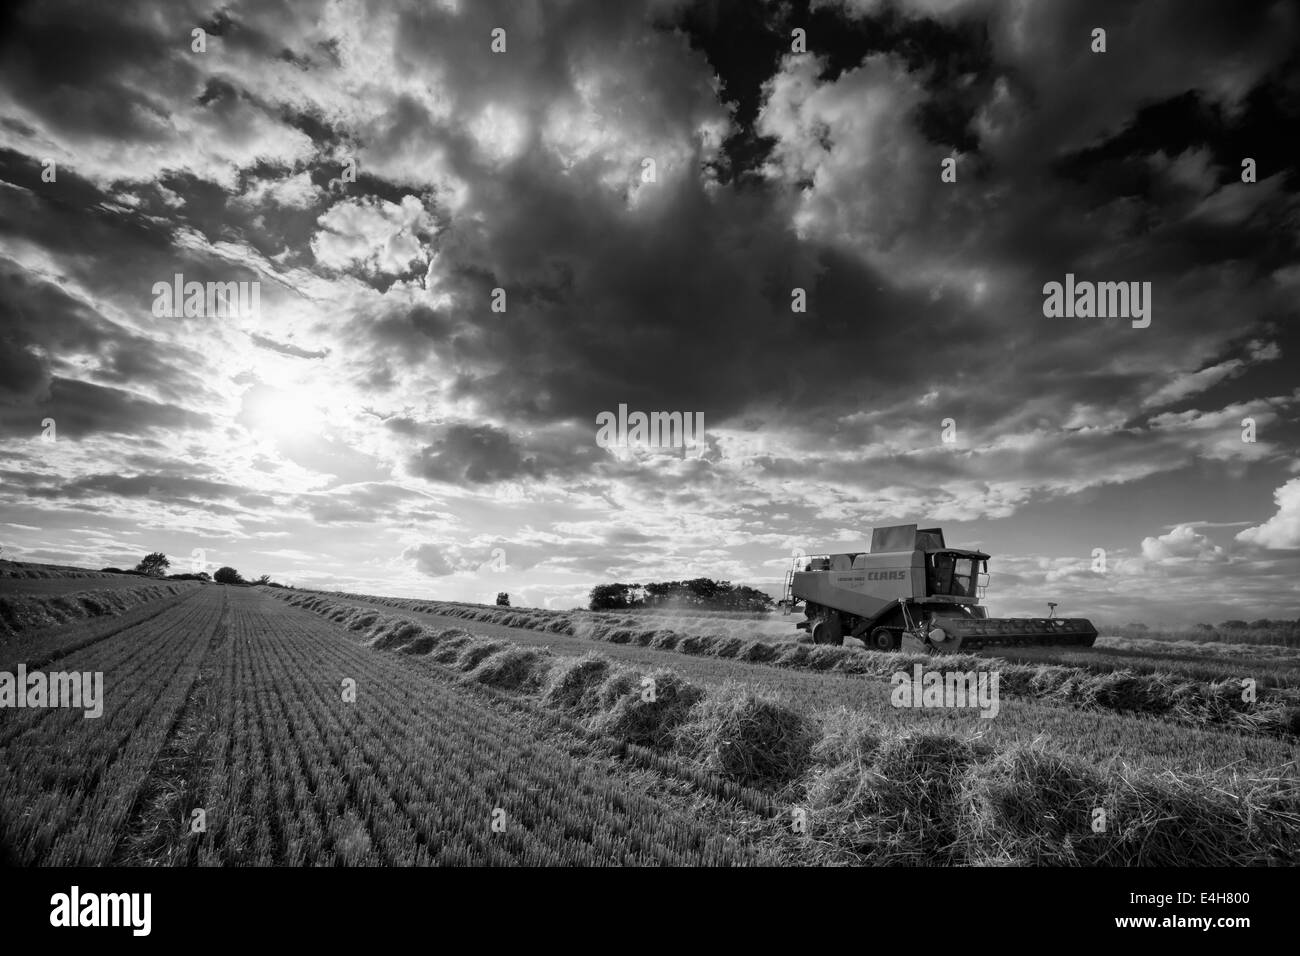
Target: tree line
pixel 155 565
pixel 703 594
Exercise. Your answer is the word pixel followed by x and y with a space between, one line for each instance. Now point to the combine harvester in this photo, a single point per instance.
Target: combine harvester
pixel 911 591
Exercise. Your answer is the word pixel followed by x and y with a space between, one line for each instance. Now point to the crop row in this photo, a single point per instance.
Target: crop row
pixel 23 614
pixel 870 794
pixel 42 647
pixel 1193 702
pixel 247 716
pixel 1267 670
pixel 69 782
pixel 18 571
pixel 1096 735
pixel 415 771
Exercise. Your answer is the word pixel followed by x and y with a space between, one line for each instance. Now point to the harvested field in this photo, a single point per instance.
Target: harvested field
pixel 420 768
pixel 335 733
pixel 24 613
pixel 1092 735
pixel 42 587
pixel 876 794
pixel 1218 700
pixel 46 575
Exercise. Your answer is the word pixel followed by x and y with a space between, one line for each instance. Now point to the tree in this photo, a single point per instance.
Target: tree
pixel 227 576
pixel 264 579
pixel 503 599
pixel 153 564
pixel 610 597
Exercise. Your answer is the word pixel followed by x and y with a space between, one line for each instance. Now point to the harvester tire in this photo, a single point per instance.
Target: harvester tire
pixel 826 632
pixel 883 639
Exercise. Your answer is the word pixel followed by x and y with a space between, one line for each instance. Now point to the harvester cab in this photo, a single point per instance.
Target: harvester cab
pixel 912 591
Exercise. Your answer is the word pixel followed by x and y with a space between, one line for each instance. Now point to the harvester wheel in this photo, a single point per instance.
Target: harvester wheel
pixel 883 639
pixel 826 631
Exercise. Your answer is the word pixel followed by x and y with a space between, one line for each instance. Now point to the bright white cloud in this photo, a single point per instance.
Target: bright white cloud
pixel 1282 531
pixel 295 192
pixel 377 236
pixel 1182 545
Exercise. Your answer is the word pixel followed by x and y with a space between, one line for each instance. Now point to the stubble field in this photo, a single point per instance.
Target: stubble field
pixel 278 727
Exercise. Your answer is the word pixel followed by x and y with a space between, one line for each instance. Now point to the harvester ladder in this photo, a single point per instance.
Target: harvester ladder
pixel 787 594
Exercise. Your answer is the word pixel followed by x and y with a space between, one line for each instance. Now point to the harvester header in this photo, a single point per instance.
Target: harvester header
pixel 912 591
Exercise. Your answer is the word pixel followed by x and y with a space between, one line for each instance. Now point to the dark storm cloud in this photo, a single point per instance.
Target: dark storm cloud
pixel 68 62
pixel 473 454
pixel 409 336
pixel 459 452
pixel 744 43
pixel 481 454
pixel 429 560
pixel 359 503
pixel 81 409
pixel 687 305
pixel 47 336
pixel 162 488
pixel 286 348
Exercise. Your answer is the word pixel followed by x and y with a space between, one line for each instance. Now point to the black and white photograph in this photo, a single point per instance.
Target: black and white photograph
pixel 641 434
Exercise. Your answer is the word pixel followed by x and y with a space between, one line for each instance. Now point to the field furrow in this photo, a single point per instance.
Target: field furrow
pixel 234 704
pixel 70 781
pixel 1099 736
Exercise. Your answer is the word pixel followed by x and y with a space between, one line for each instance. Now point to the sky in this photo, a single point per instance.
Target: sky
pixel 476 227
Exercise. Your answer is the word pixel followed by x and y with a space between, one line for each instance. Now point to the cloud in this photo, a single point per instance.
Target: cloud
pixel 1193 383
pixel 429 560
pixel 375 236
pixel 1183 545
pixel 1282 531
pixel 286 348
pixel 853 142
pixel 472 453
pixel 296 192
pixel 80 409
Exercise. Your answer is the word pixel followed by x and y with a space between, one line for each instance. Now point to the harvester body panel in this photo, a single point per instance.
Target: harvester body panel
pixel 868 584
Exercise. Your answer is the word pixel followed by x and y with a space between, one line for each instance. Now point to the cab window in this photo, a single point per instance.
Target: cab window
pixel 952 574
